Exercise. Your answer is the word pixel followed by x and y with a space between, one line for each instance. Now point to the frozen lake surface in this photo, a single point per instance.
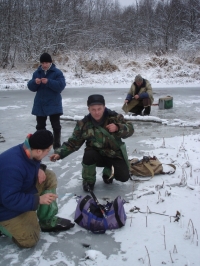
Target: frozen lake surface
pixel 17 121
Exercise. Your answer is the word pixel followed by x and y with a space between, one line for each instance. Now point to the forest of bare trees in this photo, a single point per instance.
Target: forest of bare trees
pixel 29 27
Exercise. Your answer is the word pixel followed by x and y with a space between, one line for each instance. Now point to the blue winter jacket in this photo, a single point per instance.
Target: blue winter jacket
pixel 18 175
pixel 48 100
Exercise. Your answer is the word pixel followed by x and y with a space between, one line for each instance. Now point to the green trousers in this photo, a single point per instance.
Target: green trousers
pixel 89 173
pixel 25 228
pixel 107 172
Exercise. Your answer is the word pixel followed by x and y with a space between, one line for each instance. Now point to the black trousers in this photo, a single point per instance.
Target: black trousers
pixel 121 171
pixel 143 104
pixel 54 119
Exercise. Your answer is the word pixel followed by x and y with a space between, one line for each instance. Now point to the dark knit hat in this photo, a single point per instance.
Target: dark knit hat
pixel 95 99
pixel 41 139
pixel 45 57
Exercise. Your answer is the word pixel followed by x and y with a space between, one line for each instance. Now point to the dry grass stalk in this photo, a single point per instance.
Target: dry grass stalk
pixel 163 144
pixel 164 237
pixel 131 220
pixel 184 177
pixel 175 249
pixel 191 222
pixel 171 257
pixel 148 256
pixel 197 237
pixel 191 171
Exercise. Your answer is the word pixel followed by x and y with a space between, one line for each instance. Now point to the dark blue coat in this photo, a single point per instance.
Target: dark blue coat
pixel 48 100
pixel 18 176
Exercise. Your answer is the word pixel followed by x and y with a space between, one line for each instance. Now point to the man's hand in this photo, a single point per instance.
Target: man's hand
pixel 44 80
pixel 54 157
pixel 48 198
pixel 126 101
pixel 37 81
pixel 112 127
pixel 136 96
pixel 41 176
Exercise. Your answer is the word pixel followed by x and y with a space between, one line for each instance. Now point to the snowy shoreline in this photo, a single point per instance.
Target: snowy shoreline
pixel 77 84
pixel 167 71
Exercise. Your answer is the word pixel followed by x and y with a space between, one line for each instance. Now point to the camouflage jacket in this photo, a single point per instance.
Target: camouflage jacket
pixel 86 132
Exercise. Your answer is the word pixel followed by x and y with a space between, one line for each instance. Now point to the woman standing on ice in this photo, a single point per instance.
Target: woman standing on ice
pixel 48 82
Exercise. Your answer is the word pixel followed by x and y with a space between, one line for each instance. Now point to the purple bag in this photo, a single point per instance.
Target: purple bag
pixel 89 215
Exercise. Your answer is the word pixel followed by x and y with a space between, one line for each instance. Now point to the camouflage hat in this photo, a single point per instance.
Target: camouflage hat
pixel 95 99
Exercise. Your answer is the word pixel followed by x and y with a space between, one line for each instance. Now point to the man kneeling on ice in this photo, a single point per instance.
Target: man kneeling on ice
pixel 26 186
pixel 102 130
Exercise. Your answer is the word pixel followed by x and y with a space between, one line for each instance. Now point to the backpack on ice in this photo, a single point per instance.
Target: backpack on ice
pixel 149 166
pixel 98 219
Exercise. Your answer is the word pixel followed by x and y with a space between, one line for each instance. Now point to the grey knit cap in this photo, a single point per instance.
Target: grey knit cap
pixel 138 78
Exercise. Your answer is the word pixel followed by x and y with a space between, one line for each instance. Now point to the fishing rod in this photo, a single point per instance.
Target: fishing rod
pixel 97 202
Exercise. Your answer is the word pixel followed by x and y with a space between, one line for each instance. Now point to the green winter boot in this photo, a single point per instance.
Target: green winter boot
pixel 47 219
pixel 89 176
pixel 107 175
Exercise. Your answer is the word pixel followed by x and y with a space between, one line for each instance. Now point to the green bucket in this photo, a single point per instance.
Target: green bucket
pixel 166 102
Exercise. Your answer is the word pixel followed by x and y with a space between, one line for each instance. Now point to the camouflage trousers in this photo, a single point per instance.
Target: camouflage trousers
pixel 25 229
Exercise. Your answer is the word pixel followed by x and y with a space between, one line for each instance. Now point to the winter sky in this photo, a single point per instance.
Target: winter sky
pixel 127 2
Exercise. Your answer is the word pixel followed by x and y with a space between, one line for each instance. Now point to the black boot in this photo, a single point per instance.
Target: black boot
pixel 137 110
pixel 147 110
pixel 56 225
pixel 87 187
pixel 56 141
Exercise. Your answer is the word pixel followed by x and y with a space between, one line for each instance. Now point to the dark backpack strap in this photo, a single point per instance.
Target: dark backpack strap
pixel 84 201
pixel 81 206
pixel 115 205
pixel 170 172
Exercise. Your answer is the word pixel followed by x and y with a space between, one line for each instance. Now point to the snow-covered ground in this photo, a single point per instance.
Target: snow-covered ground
pixel 94 71
pixel 151 236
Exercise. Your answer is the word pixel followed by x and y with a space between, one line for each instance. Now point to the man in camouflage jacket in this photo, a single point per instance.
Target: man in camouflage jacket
pixel 101 150
pixel 139 97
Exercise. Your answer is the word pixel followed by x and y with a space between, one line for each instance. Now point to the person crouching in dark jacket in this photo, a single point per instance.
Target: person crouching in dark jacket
pixel 26 186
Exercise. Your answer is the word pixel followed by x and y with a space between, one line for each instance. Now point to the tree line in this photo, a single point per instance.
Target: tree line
pixel 30 27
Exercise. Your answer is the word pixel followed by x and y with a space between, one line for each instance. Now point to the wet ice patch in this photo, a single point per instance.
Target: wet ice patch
pixel 12 107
